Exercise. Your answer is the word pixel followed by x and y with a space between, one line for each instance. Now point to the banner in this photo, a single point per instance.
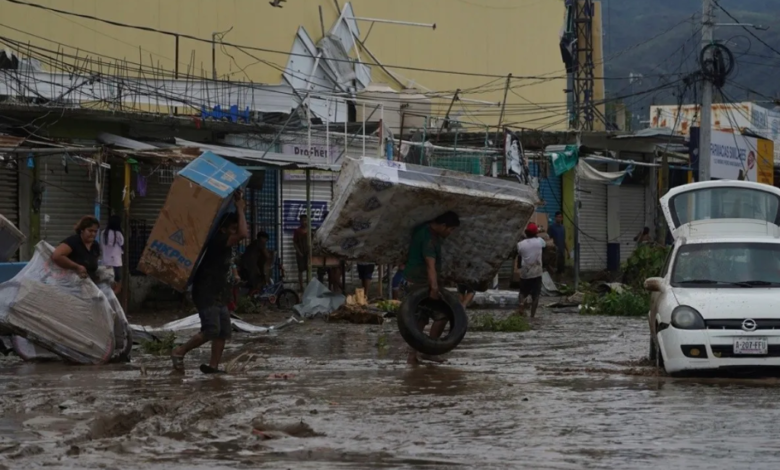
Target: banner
pixel 316 175
pixel 292 210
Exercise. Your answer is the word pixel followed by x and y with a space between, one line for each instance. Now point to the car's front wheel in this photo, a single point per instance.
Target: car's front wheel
pixel 656 356
pixel 652 354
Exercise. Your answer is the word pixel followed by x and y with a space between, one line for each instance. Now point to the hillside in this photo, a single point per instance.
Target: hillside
pixel 662 55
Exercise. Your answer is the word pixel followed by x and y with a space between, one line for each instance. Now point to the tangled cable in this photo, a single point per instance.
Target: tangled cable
pixel 717 67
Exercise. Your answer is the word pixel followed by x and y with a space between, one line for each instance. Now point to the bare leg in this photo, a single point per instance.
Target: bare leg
pixel 300 280
pixel 436 331
pixel 177 355
pixel 521 306
pixel 412 357
pixel 465 300
pixel 534 305
pixel 217 346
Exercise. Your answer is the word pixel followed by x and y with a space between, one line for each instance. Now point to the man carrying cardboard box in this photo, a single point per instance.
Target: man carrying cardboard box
pixel 210 290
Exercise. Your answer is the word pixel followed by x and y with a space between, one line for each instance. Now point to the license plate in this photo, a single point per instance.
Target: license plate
pixel 754 346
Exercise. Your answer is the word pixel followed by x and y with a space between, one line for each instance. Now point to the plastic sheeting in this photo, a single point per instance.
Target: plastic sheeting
pixel 318 300
pixel 378 203
pixel 56 310
pixel 191 324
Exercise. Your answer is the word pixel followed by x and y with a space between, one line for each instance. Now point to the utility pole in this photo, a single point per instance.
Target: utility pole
pixel 705 131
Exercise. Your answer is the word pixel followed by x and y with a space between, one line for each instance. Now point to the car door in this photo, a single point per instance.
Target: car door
pixel 720 200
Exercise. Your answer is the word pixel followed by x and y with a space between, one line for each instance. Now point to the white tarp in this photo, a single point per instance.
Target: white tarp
pixel 191 324
pixel 587 172
pixel 378 203
pixel 56 310
pixel 318 300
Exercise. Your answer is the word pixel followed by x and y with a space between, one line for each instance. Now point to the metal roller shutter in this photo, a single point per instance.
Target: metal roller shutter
pixel 593 226
pixel 294 197
pixel 267 207
pixel 69 196
pixel 144 210
pixel 632 218
pixel 9 195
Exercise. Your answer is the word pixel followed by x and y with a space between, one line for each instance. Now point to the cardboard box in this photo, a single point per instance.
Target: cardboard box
pixel 200 195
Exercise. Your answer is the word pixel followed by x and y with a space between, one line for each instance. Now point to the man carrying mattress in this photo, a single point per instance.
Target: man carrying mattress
pixel 423 266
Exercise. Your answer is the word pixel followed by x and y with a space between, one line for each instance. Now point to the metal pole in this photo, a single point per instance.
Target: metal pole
pixel 576 231
pixel 176 69
pixel 402 23
pixel 327 129
pixel 214 56
pixel 308 194
pixel 705 134
pixel 503 105
pixel 308 221
pixel 364 130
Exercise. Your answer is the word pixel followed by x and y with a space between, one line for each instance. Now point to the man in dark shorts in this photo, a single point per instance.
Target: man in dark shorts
pixel 365 273
pixel 530 253
pixel 423 266
pixel 211 290
pixel 466 293
pixel 301 243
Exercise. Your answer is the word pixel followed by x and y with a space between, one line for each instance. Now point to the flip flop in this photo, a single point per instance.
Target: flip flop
pixel 178 363
pixel 206 369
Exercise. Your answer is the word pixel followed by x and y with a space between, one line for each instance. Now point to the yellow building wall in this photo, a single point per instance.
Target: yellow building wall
pixel 478 36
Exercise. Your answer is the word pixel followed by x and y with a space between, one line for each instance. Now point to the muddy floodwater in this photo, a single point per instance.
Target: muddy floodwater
pixel 572 393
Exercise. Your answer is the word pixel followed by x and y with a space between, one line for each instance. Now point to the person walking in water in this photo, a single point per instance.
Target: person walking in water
pixel 423 267
pixel 530 253
pixel 112 242
pixel 211 290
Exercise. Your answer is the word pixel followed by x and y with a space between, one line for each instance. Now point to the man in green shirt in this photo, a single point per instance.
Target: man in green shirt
pixel 423 267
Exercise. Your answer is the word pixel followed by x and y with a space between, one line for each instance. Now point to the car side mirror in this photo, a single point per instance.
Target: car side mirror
pixel 654 284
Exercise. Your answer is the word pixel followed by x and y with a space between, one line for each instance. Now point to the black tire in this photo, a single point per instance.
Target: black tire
pixel 287 299
pixel 659 358
pixel 418 340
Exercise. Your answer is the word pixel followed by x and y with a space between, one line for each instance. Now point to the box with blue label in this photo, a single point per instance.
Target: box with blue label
pixel 200 195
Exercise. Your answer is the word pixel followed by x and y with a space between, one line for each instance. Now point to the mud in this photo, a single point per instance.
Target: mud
pixel 574 392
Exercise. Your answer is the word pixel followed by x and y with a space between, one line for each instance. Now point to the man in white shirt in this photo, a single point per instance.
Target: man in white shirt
pixel 530 253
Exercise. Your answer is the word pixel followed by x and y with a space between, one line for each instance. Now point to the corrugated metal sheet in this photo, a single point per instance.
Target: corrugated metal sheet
pixel 550 188
pixel 593 225
pixel 321 191
pixel 145 209
pixel 632 218
pixel 68 196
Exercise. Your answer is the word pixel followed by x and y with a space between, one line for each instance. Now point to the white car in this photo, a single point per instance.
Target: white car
pixel 717 302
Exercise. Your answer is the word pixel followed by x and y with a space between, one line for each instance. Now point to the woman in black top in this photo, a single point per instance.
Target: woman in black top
pixel 80 252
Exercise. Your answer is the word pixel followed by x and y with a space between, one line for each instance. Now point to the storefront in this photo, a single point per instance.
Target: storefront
pixel 294 205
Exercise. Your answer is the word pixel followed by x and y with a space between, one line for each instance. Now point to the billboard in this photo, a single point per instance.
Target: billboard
pixel 737 157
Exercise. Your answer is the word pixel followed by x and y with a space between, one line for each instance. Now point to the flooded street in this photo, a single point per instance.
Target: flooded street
pixel 572 393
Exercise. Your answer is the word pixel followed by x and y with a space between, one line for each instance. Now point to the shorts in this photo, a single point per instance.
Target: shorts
pixel 532 287
pixel 398 279
pixel 365 271
pixel 464 289
pixel 215 321
pixel 302 262
pixel 426 314
pixel 117 273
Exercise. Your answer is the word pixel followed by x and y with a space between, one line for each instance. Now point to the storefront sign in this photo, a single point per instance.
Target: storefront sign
pixel 319 153
pixel 292 210
pixel 316 175
pixel 734 155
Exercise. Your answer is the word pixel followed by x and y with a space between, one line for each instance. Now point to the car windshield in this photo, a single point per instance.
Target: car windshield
pixel 724 203
pixel 739 265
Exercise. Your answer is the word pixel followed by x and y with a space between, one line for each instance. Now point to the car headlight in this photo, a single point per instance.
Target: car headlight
pixel 687 318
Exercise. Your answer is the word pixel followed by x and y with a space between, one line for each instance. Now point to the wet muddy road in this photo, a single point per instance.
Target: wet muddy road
pixel 570 394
